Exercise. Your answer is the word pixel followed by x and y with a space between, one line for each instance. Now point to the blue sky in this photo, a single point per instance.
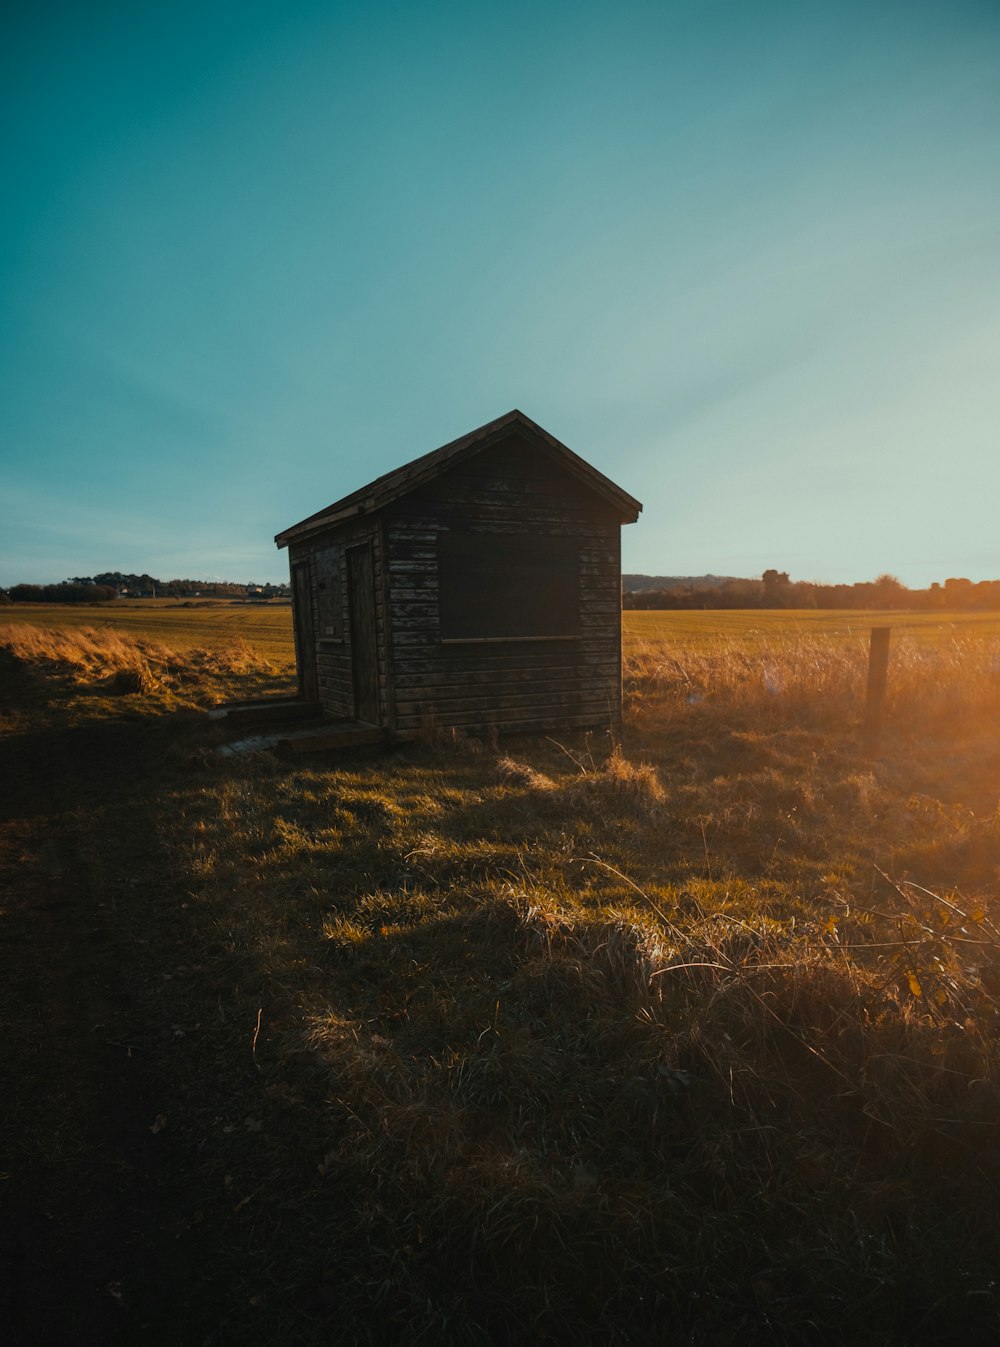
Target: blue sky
pixel 743 257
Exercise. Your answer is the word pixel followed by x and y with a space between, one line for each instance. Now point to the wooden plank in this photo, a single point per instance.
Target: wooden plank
pixel 414 592
pixel 276 711
pixel 333 737
pixel 423 609
pixel 509 676
pixel 432 518
pixel 516 725
pixel 595 700
pixel 364 655
pixel 597 605
pixel 499 471
pixel 423 587
pixel 456 665
pixel 499 678
pixel 343 691
pixel 386 648
pixel 446 515
pixel 414 548
pixel 328 566
pixel 424 644
pixel 488 502
pixel 413 567
pixel 304 625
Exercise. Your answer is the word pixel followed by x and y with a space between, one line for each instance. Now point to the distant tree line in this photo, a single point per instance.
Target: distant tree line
pixel 114 584
pixel 775 590
pixel 68 592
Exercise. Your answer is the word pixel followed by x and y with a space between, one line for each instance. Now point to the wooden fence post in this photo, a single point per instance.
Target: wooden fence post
pixel 878 669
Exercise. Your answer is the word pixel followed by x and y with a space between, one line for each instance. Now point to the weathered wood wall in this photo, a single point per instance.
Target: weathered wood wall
pixel 327 561
pixel 526 684
pixel 510 490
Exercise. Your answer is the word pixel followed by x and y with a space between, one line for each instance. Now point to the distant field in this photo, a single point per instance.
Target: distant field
pixel 755 626
pixel 267 628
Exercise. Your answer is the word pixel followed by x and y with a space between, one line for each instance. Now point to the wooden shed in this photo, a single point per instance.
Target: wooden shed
pixel 477 586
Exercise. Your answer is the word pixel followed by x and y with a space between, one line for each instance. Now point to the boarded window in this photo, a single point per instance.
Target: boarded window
pixel 508 585
pixel 329 594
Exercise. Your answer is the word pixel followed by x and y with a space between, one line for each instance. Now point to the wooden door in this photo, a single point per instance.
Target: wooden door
pixel 364 645
pixel 305 633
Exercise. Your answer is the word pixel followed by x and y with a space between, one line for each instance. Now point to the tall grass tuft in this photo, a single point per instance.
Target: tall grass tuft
pixel 118 662
pixel 813 680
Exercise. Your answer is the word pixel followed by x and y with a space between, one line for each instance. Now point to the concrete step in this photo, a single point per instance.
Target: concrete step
pixel 319 738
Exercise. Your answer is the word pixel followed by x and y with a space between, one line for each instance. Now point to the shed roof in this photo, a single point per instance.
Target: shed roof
pixel 389 487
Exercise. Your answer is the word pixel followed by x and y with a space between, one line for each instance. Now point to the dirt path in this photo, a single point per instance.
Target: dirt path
pixel 94 1246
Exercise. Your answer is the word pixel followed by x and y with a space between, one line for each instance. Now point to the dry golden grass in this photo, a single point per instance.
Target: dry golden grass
pixel 687 1036
pixel 177 624
pixel 696 630
pixel 642 1024
pixel 119 663
pixel 821 677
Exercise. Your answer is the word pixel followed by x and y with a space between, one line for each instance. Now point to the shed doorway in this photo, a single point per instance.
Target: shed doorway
pixel 364 652
pixel 305 636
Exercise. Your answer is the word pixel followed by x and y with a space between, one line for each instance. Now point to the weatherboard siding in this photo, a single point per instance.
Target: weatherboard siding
pixel 496 602
pixel 516 684
pixel 334 656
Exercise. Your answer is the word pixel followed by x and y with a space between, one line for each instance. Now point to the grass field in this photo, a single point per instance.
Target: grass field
pixel 685 1037
pixel 183 624
pixel 179 623
pixel 752 626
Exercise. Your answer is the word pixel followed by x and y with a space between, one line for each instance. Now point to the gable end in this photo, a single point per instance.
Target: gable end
pixel 391 486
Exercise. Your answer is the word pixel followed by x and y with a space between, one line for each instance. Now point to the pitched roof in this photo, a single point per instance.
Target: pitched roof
pixel 392 485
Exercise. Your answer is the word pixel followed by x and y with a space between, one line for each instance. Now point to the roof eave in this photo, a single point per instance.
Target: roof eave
pixel 316 525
